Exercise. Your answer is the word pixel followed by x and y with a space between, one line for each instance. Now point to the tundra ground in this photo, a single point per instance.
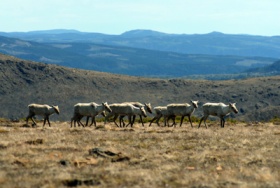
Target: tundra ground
pixel 239 155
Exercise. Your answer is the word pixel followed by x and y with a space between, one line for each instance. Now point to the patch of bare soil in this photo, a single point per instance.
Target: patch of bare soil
pixel 239 155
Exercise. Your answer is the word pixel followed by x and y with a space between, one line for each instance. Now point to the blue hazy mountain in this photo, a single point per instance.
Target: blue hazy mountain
pixel 214 43
pixel 144 52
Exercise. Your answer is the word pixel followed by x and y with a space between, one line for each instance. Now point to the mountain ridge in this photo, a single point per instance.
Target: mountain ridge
pixel 274 68
pixel 214 43
pixel 128 60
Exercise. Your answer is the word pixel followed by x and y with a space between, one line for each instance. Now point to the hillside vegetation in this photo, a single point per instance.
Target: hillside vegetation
pixel 25 82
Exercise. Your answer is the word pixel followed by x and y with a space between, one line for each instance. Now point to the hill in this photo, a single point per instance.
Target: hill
pixel 214 43
pixel 24 82
pixel 273 69
pixel 127 60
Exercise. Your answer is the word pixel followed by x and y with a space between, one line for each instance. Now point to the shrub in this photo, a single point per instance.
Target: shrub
pixel 275 120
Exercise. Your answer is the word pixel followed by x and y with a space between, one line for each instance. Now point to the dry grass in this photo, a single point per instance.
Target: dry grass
pixel 240 155
pixel 25 82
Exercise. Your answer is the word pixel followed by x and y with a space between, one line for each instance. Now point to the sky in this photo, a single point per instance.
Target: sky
pixel 255 17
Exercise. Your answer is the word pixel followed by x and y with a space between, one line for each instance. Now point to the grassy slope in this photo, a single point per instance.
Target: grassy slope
pixel 147 157
pixel 25 82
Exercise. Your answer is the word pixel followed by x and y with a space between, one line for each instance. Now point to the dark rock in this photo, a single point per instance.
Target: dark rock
pixel 77 182
pixel 64 162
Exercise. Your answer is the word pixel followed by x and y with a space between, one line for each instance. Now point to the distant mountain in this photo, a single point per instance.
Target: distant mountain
pixel 214 43
pixel 57 35
pixel 39 52
pixel 142 33
pixel 53 31
pixel 127 60
pixel 273 69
